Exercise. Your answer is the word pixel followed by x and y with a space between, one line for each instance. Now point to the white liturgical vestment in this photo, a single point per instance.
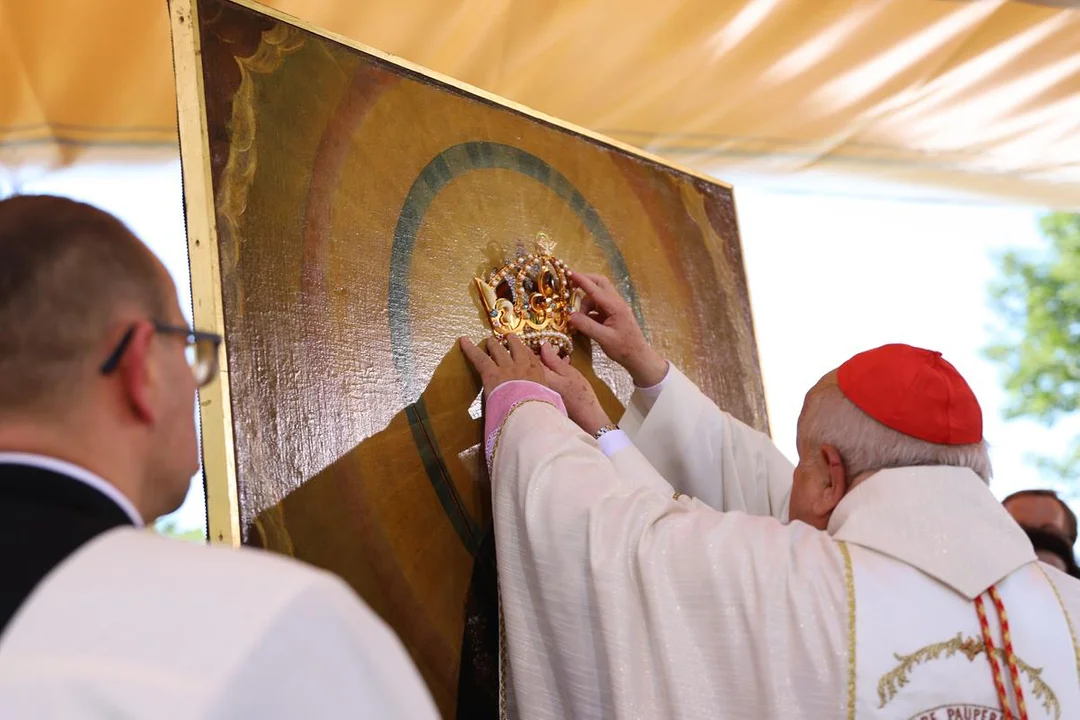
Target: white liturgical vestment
pixel 624 595
pixel 138 626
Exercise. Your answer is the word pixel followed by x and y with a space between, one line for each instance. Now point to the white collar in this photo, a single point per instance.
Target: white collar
pixel 75 472
pixel 941 520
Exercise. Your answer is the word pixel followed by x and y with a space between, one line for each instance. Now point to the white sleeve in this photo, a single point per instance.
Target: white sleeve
pixel 612 442
pixel 706 453
pixel 649 395
pixel 326 654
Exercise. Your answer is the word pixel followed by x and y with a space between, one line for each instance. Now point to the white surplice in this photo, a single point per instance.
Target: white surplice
pixel 138 626
pixel 705 453
pixel 623 601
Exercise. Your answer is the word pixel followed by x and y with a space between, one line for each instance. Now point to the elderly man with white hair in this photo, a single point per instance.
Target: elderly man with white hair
pixel 680 567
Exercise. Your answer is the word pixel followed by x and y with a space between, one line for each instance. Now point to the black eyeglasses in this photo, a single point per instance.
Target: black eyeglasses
pixel 201 351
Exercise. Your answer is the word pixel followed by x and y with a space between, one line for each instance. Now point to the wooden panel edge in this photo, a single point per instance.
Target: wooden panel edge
pixel 215 409
pixel 753 315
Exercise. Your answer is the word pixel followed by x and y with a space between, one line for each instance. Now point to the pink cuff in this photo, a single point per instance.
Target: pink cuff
pixel 504 398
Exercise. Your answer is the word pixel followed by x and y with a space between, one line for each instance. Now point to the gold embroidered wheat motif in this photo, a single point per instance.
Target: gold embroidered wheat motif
pixel 970 647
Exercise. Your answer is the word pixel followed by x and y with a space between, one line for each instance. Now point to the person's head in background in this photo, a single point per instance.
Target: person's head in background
pixel 1054 550
pixel 93 351
pixel 1042 510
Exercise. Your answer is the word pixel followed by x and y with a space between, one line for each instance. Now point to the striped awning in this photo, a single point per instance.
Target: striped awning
pixel 969 96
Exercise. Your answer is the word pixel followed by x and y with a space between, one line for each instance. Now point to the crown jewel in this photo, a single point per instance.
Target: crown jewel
pixel 531 297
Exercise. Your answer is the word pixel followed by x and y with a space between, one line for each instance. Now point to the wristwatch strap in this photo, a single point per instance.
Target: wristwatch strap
pixel 604 430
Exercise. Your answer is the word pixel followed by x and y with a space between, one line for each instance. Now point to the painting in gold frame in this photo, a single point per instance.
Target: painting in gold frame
pixel 339 204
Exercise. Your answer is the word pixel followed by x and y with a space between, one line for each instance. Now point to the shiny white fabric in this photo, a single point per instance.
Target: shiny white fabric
pixel 915 640
pixel 706 453
pixel 621 601
pixel 138 626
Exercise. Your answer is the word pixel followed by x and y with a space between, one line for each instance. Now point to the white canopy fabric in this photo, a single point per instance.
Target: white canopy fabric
pixel 970 96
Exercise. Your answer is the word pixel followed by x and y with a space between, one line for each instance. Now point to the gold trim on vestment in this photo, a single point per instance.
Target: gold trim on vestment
pixel 511 411
pixel 503 652
pixel 849 586
pixel 1068 620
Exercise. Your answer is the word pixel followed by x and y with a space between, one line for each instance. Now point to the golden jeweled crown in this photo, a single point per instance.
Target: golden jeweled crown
pixel 532 297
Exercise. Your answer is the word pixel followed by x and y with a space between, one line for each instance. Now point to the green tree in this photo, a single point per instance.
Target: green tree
pixel 169 528
pixel 1037 299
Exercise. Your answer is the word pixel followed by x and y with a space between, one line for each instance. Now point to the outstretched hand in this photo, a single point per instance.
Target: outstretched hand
pixel 582 405
pixel 497 365
pixel 608 319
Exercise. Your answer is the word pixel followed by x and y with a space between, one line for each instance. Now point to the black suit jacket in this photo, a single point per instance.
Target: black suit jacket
pixel 44 518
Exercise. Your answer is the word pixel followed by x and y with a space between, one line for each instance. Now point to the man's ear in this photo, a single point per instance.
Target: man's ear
pixel 837 483
pixel 138 375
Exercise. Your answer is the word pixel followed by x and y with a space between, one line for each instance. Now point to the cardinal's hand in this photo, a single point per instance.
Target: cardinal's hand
pixel 608 319
pixel 582 405
pixel 498 365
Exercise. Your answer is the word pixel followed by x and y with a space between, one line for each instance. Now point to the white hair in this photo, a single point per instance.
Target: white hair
pixel 866 445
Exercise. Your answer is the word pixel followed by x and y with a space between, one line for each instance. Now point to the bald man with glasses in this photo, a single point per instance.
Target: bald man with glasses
pixel 98 617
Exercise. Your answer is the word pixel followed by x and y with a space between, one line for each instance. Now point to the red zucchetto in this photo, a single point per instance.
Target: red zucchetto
pixel 915 392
